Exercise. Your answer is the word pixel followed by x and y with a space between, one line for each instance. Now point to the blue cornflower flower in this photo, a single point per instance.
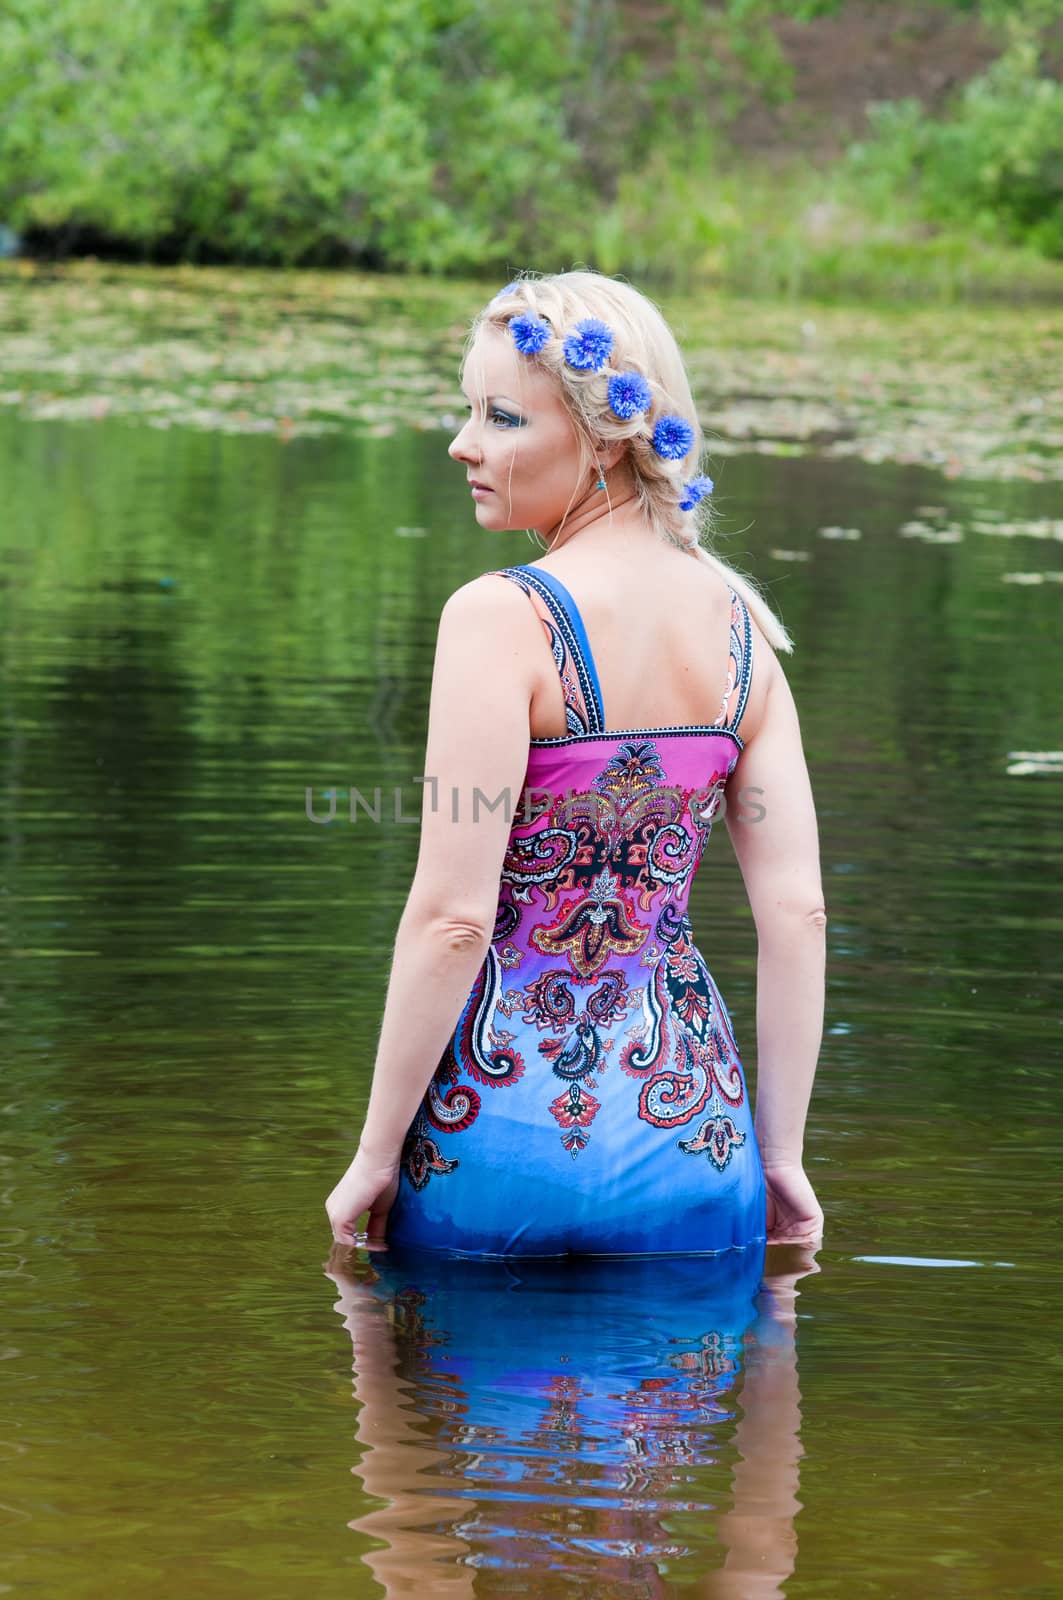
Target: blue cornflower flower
pixel 694 491
pixel 673 437
pixel 629 393
pixel 589 345
pixel 529 332
pixel 510 288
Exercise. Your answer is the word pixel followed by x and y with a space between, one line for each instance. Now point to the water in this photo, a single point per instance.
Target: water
pixel 198 626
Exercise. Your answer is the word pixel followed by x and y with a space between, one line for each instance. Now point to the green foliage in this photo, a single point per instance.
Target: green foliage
pixel 432 134
pixel 994 165
pixel 286 130
pixel 455 135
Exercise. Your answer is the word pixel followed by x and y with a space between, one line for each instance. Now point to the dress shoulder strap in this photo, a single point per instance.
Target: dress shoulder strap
pixel 739 667
pixel 569 646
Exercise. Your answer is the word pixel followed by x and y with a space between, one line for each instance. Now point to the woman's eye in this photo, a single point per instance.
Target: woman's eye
pixel 504 419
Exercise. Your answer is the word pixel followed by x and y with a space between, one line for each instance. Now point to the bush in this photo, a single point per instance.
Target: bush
pixel 423 133
pixel 439 135
pixel 996 164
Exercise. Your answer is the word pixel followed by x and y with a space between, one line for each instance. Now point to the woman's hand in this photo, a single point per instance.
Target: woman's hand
pixel 369 1184
pixel 795 1216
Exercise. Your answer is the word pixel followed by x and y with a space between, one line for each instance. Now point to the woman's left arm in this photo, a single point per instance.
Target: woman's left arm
pixel 476 760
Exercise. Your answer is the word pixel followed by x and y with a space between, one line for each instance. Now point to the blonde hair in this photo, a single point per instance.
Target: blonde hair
pixel 643 343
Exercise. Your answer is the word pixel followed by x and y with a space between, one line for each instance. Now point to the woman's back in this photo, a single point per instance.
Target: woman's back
pixel 658 628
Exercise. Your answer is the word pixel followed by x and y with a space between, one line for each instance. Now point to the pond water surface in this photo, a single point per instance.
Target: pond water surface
pixel 196 627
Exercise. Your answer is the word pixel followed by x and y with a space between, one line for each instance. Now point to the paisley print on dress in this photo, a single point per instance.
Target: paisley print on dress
pixel 608 893
pixel 594 1021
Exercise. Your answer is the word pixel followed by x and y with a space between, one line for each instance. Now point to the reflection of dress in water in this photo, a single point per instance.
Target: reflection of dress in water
pixel 575 1409
pixel 591 1099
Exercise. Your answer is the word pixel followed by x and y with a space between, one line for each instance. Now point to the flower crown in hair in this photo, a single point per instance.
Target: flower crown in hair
pixel 588 348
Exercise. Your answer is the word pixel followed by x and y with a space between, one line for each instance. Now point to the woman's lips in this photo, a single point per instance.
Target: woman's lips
pixel 479 490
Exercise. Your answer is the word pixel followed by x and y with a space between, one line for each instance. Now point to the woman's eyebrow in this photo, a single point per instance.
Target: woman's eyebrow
pixel 495 399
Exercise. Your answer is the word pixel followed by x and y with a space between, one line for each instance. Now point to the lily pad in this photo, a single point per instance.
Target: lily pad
pixel 303 353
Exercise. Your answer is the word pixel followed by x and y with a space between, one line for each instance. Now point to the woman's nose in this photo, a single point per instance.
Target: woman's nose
pixel 463 445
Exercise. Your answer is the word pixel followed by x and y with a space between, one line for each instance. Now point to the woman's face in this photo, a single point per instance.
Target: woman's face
pixel 519 447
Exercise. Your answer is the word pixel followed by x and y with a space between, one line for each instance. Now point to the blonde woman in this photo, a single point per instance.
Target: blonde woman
pixel 557 1072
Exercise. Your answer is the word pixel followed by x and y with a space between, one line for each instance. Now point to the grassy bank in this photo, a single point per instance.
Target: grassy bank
pixel 802 232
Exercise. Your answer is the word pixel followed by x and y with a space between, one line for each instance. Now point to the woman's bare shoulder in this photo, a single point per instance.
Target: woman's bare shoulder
pixel 496 613
pixel 489 594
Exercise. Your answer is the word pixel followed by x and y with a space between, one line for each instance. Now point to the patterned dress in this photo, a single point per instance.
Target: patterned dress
pixel 591 1100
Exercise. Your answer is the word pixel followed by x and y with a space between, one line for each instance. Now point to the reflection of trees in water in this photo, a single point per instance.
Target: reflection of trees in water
pixel 191 640
pixel 593 1471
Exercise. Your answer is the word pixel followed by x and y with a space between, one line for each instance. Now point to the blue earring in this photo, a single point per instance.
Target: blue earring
pixel 601 478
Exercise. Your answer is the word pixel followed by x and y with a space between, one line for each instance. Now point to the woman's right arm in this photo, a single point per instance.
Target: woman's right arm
pixel 772 822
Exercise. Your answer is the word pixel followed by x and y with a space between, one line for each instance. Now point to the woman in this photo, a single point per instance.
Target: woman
pixel 557 1072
